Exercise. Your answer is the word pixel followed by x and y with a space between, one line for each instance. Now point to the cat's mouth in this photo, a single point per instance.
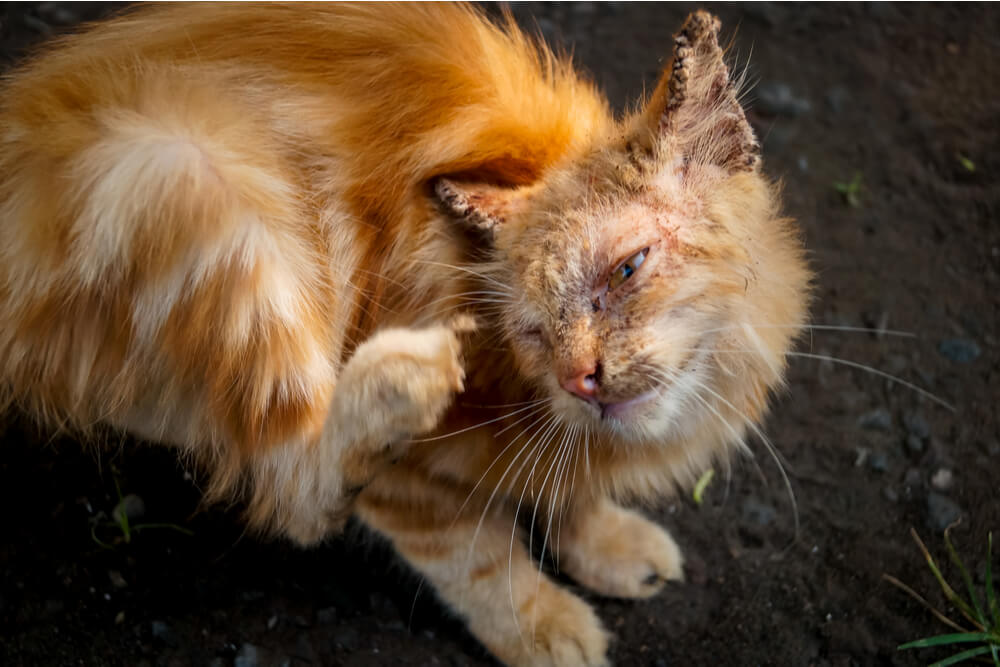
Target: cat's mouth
pixel 623 409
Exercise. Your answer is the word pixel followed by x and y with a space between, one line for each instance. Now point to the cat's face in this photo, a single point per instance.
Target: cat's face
pixel 627 295
pixel 651 284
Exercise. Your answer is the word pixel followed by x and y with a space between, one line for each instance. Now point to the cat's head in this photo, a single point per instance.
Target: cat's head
pixel 650 285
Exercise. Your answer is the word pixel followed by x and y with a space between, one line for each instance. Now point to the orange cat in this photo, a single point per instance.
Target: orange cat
pixel 283 238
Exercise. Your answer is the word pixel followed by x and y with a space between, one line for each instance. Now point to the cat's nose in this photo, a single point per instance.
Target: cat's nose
pixel 582 383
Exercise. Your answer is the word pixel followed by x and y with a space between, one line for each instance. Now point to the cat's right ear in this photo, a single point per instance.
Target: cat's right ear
pixel 695 111
pixel 480 208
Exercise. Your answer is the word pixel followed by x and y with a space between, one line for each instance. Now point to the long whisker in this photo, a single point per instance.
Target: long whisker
pixel 482 517
pixel 545 439
pixel 845 362
pixel 498 457
pixel 816 327
pixel 558 457
pixel 496 282
pixel 471 428
pixel 888 376
pixel 771 449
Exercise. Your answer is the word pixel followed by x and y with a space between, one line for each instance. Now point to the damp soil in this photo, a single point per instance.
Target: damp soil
pixel 900 105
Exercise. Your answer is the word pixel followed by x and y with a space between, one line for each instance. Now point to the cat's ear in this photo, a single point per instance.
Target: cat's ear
pixel 695 109
pixel 480 208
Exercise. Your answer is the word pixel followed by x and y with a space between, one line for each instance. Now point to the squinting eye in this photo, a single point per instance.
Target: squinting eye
pixel 626 269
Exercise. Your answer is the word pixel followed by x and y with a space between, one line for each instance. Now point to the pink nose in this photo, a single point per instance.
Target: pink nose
pixel 582 384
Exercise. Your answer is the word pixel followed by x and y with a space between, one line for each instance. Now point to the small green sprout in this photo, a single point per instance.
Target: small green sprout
pixel 983 616
pixel 851 190
pixel 699 488
pixel 966 163
pixel 119 520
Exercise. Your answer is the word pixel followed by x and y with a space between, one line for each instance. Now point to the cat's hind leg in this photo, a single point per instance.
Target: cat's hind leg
pixel 483 572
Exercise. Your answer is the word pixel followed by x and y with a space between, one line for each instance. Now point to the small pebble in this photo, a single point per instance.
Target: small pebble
pixel 117 580
pixel 941 512
pixel 913 477
pixel 959 350
pixel 878 419
pixel 757 512
pixel 942 479
pixel 247 656
pixel 879 462
pixel 837 98
pixel 916 425
pixel 162 632
pixel 132 506
pixel 914 444
pixel 861 457
pixel 777 99
pixel 272 623
pixel 890 494
pixel 347 638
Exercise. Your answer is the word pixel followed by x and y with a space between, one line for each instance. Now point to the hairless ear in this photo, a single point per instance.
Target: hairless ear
pixel 479 207
pixel 695 108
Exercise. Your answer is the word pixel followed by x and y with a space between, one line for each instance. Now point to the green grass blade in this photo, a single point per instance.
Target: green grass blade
pixel 963 656
pixel 953 554
pixel 991 595
pixel 954 638
pixel 949 592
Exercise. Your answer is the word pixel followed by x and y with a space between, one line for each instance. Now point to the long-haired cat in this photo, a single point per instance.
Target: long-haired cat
pixel 399 262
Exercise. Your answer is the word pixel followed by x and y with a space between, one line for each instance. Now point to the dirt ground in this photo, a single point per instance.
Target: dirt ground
pixel 906 97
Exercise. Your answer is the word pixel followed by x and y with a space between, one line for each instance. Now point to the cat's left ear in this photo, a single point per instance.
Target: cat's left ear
pixel 695 110
pixel 480 208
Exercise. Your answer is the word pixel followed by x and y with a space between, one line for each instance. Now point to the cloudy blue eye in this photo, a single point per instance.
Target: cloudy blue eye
pixel 626 269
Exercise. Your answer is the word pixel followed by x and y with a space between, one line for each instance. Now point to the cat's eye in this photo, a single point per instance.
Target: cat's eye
pixel 626 269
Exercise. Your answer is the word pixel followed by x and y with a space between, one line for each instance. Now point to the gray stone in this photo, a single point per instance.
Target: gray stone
pixel 942 511
pixel 890 494
pixel 162 632
pixel 131 506
pixel 960 350
pixel 777 99
pixel 757 512
pixel 247 656
pixel 942 479
pixel 879 462
pixel 878 419
pixel 916 425
pixel 326 616
pixel 116 578
pixel 837 98
pixel 914 444
pixel 347 638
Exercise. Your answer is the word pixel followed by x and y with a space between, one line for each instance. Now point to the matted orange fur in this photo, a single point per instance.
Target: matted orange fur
pixel 283 238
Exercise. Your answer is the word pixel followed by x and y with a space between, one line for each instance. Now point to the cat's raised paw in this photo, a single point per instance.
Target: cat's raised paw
pixel 616 552
pixel 403 380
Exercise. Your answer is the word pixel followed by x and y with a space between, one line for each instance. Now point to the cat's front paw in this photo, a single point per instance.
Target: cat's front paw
pixel 616 552
pixel 401 381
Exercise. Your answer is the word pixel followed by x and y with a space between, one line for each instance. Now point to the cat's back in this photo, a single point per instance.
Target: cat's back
pixel 188 192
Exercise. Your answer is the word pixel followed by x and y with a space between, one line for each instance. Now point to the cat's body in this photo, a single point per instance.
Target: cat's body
pixel 251 232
